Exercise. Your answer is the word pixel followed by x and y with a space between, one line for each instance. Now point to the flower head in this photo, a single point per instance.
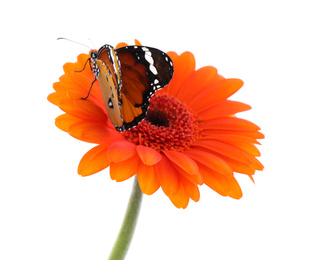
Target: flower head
pixel 190 136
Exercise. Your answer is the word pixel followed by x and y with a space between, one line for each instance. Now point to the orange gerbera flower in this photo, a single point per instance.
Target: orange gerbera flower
pixel 190 136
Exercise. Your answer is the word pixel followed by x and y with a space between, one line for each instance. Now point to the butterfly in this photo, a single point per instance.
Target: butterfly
pixel 128 78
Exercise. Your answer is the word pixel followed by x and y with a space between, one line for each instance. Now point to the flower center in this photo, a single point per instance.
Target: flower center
pixel 169 125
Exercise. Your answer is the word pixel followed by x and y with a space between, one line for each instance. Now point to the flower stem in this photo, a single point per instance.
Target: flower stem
pixel 126 232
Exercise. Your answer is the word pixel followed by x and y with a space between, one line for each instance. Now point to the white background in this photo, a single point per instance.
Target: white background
pixel 49 212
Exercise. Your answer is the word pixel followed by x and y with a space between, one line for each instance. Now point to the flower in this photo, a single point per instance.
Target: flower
pixel 190 136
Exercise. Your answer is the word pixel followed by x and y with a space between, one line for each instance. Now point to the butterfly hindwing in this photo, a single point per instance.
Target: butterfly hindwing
pixel 144 70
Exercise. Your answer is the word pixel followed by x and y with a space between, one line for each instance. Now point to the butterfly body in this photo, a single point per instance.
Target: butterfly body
pixel 128 77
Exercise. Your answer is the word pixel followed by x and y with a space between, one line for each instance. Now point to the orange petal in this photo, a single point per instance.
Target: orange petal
pixel 257 164
pixel 69 106
pixel 121 45
pixel 173 55
pixel 147 178
pixel 224 132
pixel 64 85
pixel 221 91
pixel 82 79
pixel 225 149
pixel 183 161
pixel 223 108
pixel 54 98
pixel 184 65
pixel 191 189
pixel 94 161
pixel 180 199
pixel 214 180
pixel 120 171
pixel 64 121
pixel 229 123
pixel 148 155
pixel 196 179
pixel 195 83
pixel 92 110
pixel 81 60
pixel 235 190
pixel 237 166
pixel 121 151
pixel 211 161
pixel 137 42
pixel 243 142
pixel 168 176
pixel 92 132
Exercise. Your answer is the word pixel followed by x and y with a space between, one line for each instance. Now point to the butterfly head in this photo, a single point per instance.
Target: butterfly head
pixel 94 55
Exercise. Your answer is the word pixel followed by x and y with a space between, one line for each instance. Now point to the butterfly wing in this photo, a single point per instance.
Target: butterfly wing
pixel 110 81
pixel 144 70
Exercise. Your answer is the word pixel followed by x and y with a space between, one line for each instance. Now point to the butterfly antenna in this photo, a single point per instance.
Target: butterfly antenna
pixel 61 38
pixel 92 43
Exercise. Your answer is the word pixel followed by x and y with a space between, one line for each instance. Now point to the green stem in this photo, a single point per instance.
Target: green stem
pixel 126 232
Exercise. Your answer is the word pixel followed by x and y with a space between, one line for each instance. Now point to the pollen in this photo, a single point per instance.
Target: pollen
pixel 169 125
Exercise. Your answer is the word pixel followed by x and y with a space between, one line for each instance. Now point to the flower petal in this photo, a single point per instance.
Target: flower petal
pixel 173 55
pixel 211 161
pixel 54 98
pixel 225 149
pixel 191 189
pixel 168 176
pixel 200 80
pixel 180 199
pixel 147 178
pixel 92 110
pixel 223 108
pixel 120 171
pixel 240 167
pixel 184 65
pixel 94 161
pixel 91 132
pixel 243 142
pixel 221 91
pixel 69 106
pixel 148 155
pixel 229 123
pixel 225 132
pixel 121 45
pixel 235 190
pixel 64 121
pixel 138 42
pixel 183 161
pixel 121 151
pixel 196 178
pixel 215 180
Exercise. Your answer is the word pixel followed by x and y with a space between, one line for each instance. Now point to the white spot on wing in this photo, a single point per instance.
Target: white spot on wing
pixel 153 69
pixel 148 57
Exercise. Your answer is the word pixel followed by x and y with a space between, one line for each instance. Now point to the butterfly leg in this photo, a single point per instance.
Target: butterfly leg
pixel 84 98
pixel 89 62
